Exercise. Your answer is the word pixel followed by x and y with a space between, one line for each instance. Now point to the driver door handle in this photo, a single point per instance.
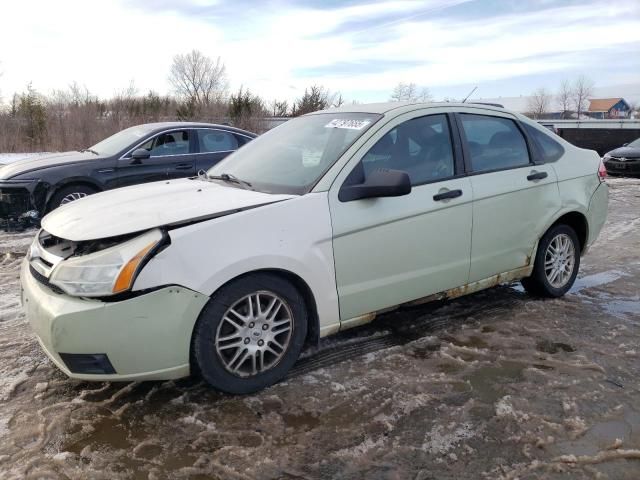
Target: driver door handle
pixel 536 176
pixel 184 166
pixel 447 195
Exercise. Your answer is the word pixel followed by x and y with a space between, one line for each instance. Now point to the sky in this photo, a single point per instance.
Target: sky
pixel 360 48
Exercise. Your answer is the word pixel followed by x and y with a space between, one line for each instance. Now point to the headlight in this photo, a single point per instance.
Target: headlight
pixel 107 272
pixel 606 156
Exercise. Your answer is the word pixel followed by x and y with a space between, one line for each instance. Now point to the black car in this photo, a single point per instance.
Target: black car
pixel 145 153
pixel 624 160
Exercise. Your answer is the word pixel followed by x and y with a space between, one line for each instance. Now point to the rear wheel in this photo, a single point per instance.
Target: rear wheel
pixel 69 194
pixel 556 264
pixel 250 333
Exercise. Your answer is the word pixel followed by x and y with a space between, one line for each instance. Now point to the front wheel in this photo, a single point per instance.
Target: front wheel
pixel 250 333
pixel 556 264
pixel 69 194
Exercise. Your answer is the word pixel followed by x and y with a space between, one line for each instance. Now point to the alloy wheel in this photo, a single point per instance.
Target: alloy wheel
pixel 72 197
pixel 254 334
pixel 559 260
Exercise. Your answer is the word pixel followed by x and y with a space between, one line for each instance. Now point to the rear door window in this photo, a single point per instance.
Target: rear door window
pixel 216 141
pixel 493 143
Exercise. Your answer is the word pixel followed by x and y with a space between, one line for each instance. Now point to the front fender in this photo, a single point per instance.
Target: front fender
pixel 293 236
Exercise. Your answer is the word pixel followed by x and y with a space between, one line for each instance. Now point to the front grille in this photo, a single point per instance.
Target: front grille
pixel 14 202
pixel 44 281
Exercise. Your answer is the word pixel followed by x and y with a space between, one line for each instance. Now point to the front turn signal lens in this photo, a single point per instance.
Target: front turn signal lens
pixel 125 280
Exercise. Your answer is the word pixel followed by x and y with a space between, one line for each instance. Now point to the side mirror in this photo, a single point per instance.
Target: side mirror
pixel 380 183
pixel 140 154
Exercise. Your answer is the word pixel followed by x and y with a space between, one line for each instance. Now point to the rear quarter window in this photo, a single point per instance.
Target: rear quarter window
pixel 549 149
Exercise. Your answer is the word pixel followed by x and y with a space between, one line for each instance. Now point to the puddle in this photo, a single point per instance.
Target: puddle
pixel 602 435
pixel 107 432
pixel 548 346
pixel 489 383
pixel 596 280
pixel 623 307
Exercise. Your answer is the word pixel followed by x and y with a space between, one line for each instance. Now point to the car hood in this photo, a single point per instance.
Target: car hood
pixel 26 165
pixel 142 207
pixel 627 152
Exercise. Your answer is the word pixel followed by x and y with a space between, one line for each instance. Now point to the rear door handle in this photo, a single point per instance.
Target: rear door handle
pixel 184 166
pixel 537 176
pixel 447 195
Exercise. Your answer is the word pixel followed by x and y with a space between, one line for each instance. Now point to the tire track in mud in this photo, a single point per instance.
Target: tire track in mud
pixel 406 325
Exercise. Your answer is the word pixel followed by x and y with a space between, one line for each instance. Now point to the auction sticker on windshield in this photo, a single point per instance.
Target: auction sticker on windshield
pixel 349 124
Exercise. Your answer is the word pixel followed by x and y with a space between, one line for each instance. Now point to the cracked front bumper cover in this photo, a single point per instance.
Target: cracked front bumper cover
pixel 146 337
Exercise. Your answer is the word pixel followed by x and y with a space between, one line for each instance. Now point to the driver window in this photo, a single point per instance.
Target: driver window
pixel 420 146
pixel 172 143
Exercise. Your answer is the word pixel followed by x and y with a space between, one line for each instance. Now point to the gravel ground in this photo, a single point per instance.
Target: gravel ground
pixel 496 385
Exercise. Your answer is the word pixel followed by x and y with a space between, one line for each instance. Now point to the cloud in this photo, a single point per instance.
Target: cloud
pixel 362 48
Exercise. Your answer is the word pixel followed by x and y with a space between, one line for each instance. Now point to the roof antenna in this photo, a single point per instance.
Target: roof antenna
pixel 470 93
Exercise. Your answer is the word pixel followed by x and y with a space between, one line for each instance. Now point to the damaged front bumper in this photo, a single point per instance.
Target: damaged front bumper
pixel 146 337
pixel 21 203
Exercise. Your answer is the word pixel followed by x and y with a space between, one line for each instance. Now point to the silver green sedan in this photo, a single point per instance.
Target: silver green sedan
pixel 312 228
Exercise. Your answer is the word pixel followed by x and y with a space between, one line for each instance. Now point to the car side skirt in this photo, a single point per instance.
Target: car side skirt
pixel 450 294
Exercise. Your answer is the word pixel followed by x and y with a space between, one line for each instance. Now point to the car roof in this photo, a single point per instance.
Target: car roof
pixel 159 126
pixel 401 107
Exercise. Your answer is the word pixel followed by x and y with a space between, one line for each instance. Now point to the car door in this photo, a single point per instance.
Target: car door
pixel 172 155
pixel 513 197
pixel 388 251
pixel 213 145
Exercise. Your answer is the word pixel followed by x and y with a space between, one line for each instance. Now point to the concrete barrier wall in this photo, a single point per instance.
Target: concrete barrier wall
pixel 601 140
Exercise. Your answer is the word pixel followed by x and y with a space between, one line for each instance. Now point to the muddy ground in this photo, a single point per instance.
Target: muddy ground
pixel 496 385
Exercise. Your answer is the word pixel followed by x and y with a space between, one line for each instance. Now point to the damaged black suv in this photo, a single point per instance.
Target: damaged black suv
pixel 145 153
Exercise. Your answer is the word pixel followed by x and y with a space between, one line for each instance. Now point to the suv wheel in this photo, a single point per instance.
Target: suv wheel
pixel 250 333
pixel 557 263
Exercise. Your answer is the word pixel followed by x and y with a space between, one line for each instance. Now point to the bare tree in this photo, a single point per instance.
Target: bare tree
pixel 539 102
pixel 405 92
pixel 280 108
pixel 408 92
pixel 564 98
pixel 337 100
pixel 582 90
pixel 198 79
pixel 425 95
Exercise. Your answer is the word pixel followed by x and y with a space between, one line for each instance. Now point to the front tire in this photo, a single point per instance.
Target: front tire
pixel 557 263
pixel 69 194
pixel 250 333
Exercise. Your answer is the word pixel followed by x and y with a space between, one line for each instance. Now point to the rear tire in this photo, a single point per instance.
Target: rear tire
pixel 69 194
pixel 250 333
pixel 557 263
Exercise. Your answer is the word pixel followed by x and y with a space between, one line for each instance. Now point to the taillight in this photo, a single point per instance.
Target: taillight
pixel 602 171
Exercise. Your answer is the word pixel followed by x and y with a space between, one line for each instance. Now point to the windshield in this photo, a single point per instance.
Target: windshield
pixel 121 140
pixel 635 143
pixel 292 157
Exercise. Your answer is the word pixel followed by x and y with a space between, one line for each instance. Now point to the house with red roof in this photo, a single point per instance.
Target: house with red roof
pixel 608 108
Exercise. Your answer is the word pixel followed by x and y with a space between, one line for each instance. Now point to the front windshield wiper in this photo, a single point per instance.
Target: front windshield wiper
pixel 229 178
pixel 88 150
